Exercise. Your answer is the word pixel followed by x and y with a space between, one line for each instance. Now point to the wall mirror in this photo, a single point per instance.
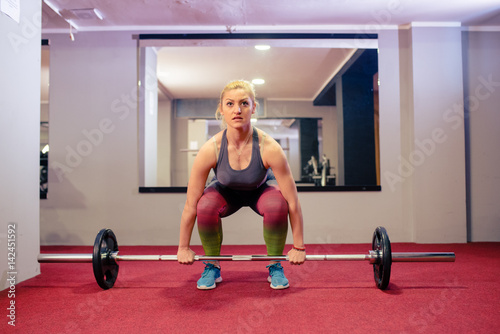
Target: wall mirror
pixel 319 99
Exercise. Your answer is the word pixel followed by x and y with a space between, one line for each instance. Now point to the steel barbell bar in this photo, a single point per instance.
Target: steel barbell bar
pixel 106 256
pixel 371 257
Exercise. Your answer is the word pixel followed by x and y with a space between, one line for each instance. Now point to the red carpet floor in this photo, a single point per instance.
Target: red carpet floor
pixel 324 297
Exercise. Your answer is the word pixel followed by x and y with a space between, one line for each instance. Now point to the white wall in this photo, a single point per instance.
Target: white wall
pixel 101 189
pixel 437 156
pixel 482 91
pixel 20 136
pixel 93 165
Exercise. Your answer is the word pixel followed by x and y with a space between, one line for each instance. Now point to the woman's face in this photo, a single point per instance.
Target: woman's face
pixel 237 107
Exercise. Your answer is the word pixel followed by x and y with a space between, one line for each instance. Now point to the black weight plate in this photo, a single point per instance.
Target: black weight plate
pixel 382 268
pixel 105 267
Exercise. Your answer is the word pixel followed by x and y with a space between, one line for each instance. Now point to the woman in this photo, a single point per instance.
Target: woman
pixel 241 156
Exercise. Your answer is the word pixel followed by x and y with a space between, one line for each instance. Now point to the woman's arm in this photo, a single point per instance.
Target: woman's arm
pixel 205 160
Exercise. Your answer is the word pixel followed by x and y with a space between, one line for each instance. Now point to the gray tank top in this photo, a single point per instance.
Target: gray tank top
pixel 249 178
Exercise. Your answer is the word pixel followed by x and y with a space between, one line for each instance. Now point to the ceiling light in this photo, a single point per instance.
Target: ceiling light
pixel 258 81
pixel 87 13
pixel 262 47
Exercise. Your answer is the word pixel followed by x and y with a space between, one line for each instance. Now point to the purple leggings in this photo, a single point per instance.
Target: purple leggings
pixel 218 201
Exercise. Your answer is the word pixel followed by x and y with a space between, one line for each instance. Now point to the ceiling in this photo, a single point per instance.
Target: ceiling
pixel 291 71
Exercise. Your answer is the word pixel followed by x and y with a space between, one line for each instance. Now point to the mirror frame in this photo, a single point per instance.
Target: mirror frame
pixel 149 38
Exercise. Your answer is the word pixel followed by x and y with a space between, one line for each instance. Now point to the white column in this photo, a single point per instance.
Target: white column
pixel 434 159
pixel 20 138
pixel 482 97
pixel 148 117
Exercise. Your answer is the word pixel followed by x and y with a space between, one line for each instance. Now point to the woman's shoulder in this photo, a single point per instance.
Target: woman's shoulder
pixel 217 137
pixel 267 144
pixel 209 144
pixel 265 138
pixel 262 134
pixel 209 150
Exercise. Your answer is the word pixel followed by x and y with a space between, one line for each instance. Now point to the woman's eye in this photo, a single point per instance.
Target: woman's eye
pixel 229 104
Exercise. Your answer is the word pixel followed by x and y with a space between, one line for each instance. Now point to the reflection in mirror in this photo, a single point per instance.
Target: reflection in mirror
pixel 44 119
pixel 286 131
pixel 319 101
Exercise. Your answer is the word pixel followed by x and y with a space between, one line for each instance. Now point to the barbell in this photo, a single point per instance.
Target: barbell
pixel 105 258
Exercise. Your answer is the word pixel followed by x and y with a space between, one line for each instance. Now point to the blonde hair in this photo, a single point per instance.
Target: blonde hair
pixel 236 84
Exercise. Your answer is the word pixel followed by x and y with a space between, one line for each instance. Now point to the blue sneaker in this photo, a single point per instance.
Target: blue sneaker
pixel 277 276
pixel 210 276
